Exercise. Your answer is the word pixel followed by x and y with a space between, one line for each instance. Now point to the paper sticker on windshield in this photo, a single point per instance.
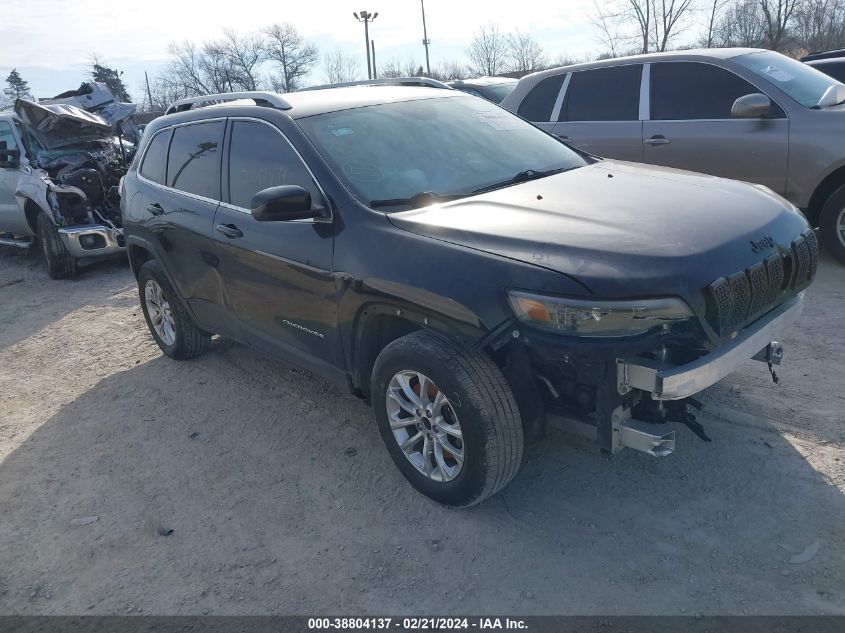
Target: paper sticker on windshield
pixel 342 131
pixel 499 120
pixel 777 74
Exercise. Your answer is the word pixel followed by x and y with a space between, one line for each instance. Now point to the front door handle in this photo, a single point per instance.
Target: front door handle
pixel 155 208
pixel 658 139
pixel 563 137
pixel 230 231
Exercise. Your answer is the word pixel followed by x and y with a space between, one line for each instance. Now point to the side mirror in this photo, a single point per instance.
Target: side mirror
pixel 9 158
pixel 751 106
pixel 286 202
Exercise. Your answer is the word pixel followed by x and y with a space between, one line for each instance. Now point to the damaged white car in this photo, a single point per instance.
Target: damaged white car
pixel 61 161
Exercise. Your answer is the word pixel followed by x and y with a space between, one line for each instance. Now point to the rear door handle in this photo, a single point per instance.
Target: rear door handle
pixel 155 208
pixel 658 139
pixel 563 137
pixel 230 231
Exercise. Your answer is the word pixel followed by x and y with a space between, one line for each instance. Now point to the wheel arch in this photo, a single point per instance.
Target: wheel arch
pixel 379 324
pixel 31 210
pixel 830 183
pixel 138 254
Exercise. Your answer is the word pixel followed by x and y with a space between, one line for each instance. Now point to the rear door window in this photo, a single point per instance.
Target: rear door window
pixel 155 159
pixel 193 163
pixel 540 101
pixel 603 94
pixel 691 90
pixel 260 157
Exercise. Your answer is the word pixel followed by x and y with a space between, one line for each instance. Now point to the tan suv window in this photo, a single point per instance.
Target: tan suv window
pixel 603 94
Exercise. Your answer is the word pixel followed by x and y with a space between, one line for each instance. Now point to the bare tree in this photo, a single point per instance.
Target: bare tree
pixel 190 70
pixel 641 26
pixel 563 59
pixel 777 15
pixel 339 67
pixel 820 24
pixel 524 53
pixel 714 11
pixel 245 53
pixel 668 16
pixel 294 56
pixel 450 69
pixel 487 50
pixel 607 24
pixel 741 25
pixel 398 67
pixel 640 10
pixel 162 92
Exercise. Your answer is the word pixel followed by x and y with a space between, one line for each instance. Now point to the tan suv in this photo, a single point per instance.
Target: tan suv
pixel 746 114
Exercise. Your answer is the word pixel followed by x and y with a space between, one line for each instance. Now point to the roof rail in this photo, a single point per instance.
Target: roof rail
pixel 390 81
pixel 271 99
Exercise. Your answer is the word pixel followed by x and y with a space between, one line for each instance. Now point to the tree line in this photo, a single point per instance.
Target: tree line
pixel 279 58
pixel 793 27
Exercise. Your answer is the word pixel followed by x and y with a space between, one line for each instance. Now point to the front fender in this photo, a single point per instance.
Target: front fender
pixel 456 290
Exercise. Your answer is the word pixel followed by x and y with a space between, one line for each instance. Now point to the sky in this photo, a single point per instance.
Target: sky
pixel 51 42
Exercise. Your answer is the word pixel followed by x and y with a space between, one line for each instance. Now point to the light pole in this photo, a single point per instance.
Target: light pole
pixel 426 41
pixel 366 17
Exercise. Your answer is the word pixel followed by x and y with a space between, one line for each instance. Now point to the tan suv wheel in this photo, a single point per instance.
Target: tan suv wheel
pixel 832 225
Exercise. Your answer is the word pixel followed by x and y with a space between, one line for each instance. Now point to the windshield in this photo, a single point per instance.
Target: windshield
pixel 449 146
pixel 497 92
pixel 801 82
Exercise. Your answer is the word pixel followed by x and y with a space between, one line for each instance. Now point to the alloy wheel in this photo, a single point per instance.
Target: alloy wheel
pixel 425 425
pixel 161 315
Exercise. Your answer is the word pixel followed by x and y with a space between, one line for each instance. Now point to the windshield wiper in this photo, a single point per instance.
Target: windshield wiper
pixel 523 176
pixel 417 200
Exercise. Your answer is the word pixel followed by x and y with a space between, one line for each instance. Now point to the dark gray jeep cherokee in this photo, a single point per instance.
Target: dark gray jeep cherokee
pixel 468 274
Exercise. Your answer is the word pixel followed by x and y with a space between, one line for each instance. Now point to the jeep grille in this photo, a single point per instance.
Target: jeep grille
pixel 744 296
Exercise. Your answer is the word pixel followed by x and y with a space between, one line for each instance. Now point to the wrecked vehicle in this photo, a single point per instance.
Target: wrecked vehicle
pixel 466 273
pixel 61 161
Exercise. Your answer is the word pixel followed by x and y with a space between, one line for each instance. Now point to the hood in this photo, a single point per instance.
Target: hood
pixel 95 97
pixel 621 229
pixel 61 125
pixel 78 117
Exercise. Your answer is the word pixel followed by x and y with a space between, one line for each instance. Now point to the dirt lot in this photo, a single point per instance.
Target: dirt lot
pixel 281 498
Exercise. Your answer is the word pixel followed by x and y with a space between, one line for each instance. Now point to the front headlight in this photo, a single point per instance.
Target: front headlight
pixel 579 317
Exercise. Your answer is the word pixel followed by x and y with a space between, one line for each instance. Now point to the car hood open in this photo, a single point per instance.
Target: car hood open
pixel 72 119
pixel 621 229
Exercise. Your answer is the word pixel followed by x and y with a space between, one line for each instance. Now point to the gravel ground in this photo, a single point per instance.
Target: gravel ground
pixel 238 484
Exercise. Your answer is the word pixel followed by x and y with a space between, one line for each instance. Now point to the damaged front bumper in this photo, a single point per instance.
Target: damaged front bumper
pixel 620 393
pixel 92 240
pixel 668 382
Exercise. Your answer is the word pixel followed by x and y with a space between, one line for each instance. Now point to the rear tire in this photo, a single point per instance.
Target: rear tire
pixel 60 263
pixel 477 403
pixel 168 320
pixel 832 225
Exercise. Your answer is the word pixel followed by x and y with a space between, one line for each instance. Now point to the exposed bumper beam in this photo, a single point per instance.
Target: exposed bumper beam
pixel 668 382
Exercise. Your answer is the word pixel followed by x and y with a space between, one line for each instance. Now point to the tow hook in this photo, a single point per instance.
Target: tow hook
pixel 772 354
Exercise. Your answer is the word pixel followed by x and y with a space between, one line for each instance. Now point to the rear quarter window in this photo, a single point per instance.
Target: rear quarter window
pixel 193 163
pixel 155 158
pixel 540 101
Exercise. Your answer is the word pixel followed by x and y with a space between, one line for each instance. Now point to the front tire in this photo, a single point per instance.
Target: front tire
pixel 832 225
pixel 448 418
pixel 60 263
pixel 168 320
